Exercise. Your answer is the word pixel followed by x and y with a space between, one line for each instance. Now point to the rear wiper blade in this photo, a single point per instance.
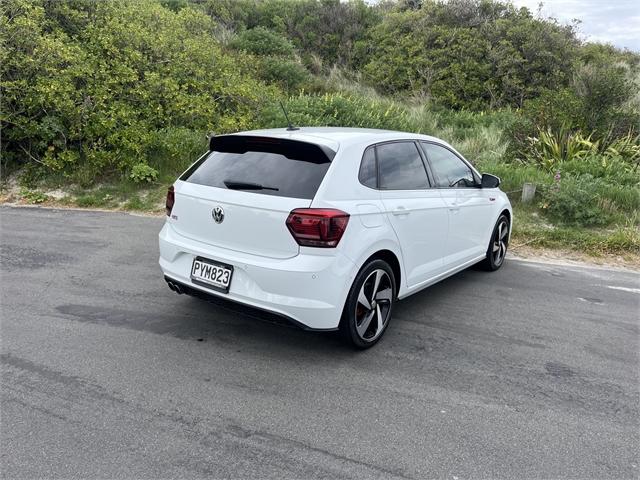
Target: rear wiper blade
pixel 237 185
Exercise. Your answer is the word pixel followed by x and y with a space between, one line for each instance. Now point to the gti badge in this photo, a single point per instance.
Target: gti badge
pixel 218 214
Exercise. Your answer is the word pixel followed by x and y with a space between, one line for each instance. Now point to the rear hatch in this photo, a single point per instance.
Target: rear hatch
pixel 239 196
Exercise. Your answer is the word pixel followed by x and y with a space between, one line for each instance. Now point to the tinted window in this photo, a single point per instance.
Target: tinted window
pixel 367 175
pixel 401 167
pixel 283 168
pixel 448 168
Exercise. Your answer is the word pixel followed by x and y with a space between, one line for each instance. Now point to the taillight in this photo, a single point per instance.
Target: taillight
pixel 171 199
pixel 317 227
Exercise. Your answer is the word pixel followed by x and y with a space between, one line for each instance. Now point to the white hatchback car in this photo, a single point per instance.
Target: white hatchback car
pixel 328 227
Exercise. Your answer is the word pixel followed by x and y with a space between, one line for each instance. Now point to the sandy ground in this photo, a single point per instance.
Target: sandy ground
pixel 629 261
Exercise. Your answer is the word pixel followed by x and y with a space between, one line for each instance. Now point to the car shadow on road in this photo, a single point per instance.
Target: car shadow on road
pixel 226 322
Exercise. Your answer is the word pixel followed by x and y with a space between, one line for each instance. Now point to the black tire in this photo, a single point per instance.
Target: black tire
pixel 498 244
pixel 359 324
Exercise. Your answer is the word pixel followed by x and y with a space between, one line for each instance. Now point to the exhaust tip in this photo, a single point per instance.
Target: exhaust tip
pixel 175 287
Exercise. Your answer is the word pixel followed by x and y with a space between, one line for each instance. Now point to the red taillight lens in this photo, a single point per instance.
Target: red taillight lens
pixel 171 199
pixel 317 227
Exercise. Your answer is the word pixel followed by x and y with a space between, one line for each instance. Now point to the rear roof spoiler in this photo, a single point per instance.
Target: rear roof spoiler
pixel 306 151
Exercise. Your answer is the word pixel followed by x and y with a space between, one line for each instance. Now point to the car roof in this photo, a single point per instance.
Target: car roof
pixel 334 137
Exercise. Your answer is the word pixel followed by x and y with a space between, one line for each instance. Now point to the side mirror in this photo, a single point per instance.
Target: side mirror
pixel 489 181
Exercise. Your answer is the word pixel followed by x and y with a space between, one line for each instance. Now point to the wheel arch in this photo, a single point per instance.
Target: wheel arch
pixel 509 215
pixel 393 261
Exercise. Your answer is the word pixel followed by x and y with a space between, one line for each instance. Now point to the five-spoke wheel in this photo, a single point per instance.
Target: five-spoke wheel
pixel 497 250
pixel 500 242
pixel 368 308
pixel 374 305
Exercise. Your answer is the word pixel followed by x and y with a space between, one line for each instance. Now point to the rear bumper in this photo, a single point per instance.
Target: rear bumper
pixel 225 303
pixel 308 289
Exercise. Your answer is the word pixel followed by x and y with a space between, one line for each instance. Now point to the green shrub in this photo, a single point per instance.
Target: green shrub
pixel 173 149
pixel 553 111
pixel 275 62
pixel 605 88
pixel 575 202
pixel 86 85
pixel 134 203
pixel 470 55
pixel 551 148
pixel 513 176
pixel 331 30
pixel 288 74
pixel 338 110
pixel 175 5
pixel 32 196
pixel 600 107
pixel 90 200
pixel 614 169
pixel 625 148
pixel 142 172
pixel 261 41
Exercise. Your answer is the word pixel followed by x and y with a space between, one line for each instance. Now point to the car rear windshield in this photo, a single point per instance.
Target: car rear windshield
pixel 269 166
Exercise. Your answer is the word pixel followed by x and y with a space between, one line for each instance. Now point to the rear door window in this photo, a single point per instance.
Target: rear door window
pixel 268 166
pixel 400 167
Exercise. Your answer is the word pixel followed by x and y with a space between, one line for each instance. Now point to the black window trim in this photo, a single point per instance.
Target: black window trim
pixel 474 173
pixel 194 166
pixel 421 154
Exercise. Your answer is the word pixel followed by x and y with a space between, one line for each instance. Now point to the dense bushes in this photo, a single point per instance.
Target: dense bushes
pixel 90 88
pixel 340 110
pixel 600 104
pixel 261 41
pixel 473 54
pixel 108 91
pixel 469 54
pixel 275 60
pixel 331 30
pixel 576 201
pixel 589 133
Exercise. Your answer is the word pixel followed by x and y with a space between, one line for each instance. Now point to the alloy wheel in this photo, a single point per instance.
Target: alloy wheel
pixel 499 249
pixel 374 305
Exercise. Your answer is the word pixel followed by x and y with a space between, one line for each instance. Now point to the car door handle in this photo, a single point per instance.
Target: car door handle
pixel 454 207
pixel 400 211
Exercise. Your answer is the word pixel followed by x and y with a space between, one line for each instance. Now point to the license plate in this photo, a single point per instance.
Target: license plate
pixel 211 274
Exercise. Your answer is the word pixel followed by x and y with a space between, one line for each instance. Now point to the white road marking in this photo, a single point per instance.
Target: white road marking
pixel 624 289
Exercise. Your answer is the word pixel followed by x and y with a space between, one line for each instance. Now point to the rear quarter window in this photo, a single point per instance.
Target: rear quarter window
pixel 368 174
pixel 268 166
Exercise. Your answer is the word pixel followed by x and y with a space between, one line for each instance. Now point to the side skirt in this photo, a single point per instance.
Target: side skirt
pixel 442 276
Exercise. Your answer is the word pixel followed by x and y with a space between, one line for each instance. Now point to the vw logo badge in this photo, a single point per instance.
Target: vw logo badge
pixel 218 214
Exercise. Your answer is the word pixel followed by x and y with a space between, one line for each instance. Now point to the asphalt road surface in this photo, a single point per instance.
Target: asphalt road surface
pixel 529 372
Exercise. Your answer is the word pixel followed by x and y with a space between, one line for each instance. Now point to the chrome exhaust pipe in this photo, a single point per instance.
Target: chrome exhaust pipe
pixel 172 287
